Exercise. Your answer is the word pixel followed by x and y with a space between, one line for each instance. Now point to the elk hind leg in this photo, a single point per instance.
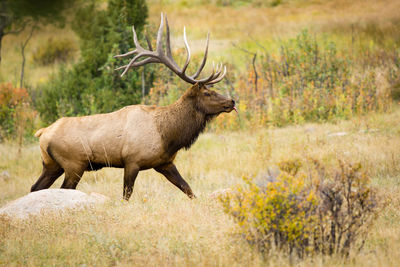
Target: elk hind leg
pixel 49 175
pixel 72 177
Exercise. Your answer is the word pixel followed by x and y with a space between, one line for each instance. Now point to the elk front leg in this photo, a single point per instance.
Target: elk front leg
pixel 172 174
pixel 130 174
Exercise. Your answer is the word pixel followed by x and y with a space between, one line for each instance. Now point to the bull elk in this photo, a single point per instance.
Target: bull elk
pixel 136 137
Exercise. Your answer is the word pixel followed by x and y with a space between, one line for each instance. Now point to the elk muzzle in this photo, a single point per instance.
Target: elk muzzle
pixel 231 106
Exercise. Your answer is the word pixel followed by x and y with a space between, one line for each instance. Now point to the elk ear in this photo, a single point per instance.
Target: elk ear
pixel 196 86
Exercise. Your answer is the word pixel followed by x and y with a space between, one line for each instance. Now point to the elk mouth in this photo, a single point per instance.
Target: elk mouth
pixel 230 108
pixel 230 105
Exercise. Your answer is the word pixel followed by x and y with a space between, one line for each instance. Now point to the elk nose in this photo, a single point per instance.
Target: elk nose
pixel 233 102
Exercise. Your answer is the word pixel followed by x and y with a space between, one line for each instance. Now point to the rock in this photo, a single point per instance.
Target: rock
pixel 368 131
pixel 309 130
pixel 337 134
pixel 5 176
pixel 261 180
pixel 265 177
pixel 50 200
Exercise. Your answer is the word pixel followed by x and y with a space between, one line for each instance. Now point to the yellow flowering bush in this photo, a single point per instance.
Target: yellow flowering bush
pixel 302 214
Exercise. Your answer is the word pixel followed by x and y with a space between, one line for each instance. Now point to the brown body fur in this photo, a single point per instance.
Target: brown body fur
pixel 135 138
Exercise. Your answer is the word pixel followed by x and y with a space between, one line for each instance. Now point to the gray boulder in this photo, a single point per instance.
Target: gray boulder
pixel 50 200
pixel 5 176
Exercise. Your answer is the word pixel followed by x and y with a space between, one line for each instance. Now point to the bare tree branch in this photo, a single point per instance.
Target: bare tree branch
pixel 253 63
pixel 258 43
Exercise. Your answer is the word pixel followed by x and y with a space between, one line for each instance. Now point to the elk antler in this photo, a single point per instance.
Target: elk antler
pixel 159 56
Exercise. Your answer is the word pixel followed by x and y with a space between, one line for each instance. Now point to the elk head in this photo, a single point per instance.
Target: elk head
pixel 208 101
pixel 205 100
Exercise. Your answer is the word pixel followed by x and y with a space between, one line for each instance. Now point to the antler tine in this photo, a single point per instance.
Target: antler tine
pixel 218 79
pixel 140 63
pixel 214 74
pixel 126 54
pixel 135 40
pixel 159 48
pixel 169 57
pixel 187 51
pixel 209 78
pixel 133 61
pixel 139 49
pixel 137 45
pixel 168 41
pixel 218 71
pixel 203 63
pixel 148 42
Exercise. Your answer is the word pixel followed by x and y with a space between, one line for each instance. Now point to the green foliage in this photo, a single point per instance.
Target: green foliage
pixel 317 212
pixel 310 80
pixel 92 85
pixel 306 77
pixel 42 9
pixel 54 50
pixel 316 84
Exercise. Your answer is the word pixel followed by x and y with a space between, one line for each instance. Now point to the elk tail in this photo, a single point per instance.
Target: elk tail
pixel 39 132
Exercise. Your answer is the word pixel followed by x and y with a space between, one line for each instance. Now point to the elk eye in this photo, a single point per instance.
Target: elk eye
pixel 207 94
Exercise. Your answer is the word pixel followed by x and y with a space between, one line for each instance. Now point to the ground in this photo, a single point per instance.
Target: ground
pixel 161 226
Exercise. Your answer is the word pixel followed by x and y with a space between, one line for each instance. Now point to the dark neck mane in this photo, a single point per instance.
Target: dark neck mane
pixel 180 124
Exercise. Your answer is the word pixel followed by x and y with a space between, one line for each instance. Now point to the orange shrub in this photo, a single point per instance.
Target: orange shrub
pixel 16 113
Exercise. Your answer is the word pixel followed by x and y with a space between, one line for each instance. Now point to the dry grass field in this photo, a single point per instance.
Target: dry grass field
pixel 238 23
pixel 161 226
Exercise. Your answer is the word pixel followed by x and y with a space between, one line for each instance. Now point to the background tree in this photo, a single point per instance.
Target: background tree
pixel 92 85
pixel 15 15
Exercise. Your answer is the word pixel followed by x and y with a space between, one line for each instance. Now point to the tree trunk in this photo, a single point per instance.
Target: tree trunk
pixel 23 55
pixel 1 40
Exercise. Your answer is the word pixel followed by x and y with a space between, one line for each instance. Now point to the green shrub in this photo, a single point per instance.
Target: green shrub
pixel 303 214
pixel 54 50
pixel 310 80
pixel 92 85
